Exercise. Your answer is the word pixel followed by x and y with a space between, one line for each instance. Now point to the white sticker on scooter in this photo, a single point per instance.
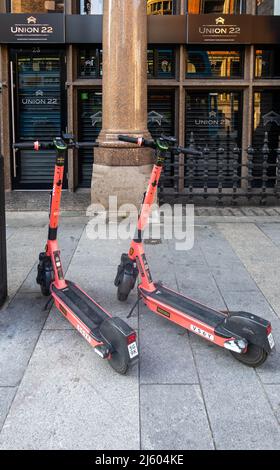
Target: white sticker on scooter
pixel 271 340
pixel 84 333
pixel 132 350
pixel 199 331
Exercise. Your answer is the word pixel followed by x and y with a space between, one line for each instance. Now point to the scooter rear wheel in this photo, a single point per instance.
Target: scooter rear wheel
pixel 118 360
pixel 254 357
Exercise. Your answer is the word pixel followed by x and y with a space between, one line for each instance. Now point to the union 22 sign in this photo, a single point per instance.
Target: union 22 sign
pixel 219 29
pixel 22 28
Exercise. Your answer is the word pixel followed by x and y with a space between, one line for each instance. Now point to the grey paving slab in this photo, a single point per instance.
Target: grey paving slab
pixel 216 249
pixel 173 417
pixel 272 231
pixel 6 397
pixel 23 246
pixel 20 326
pixel 9 232
pixel 238 409
pixel 273 393
pixel 234 278
pixel 71 399
pixel 165 354
pixel 260 256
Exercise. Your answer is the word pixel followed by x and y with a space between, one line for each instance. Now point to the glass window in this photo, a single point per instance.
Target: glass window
pixel 266 119
pixel 268 7
pixel 161 120
pixel 267 62
pixel 90 62
pixel 214 63
pixel 215 118
pixel 161 7
pixel 37 6
pixel 90 124
pixel 232 7
pixel 91 7
pixel 161 63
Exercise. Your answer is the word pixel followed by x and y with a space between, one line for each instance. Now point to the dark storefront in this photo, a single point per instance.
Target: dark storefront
pixel 212 69
pixel 39 109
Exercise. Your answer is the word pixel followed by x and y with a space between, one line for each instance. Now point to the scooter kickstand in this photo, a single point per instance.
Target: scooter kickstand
pixel 48 303
pixel 134 307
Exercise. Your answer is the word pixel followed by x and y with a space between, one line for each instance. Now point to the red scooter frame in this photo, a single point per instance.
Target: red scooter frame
pixel 110 337
pixel 247 336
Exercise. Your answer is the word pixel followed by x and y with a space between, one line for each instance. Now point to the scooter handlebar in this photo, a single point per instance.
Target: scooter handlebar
pixel 138 141
pixel 189 151
pixel 50 145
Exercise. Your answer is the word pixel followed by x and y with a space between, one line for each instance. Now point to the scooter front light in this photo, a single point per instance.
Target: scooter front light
pixel 237 345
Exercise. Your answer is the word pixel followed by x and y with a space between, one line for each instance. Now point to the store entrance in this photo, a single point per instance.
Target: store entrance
pixel 38 112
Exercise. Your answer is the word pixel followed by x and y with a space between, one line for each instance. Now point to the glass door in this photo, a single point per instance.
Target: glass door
pixel 38 113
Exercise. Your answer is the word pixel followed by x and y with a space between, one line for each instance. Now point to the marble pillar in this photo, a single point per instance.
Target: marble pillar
pixel 122 169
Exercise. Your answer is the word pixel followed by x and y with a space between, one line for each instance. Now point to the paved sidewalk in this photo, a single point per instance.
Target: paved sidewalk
pixel 55 393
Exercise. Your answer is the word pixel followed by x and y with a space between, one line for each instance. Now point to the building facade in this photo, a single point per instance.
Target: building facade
pixel 212 72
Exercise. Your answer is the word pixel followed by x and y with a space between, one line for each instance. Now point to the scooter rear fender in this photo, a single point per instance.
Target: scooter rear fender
pixel 246 325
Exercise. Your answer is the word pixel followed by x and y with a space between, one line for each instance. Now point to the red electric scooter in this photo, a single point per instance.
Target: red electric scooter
pixel 110 337
pixel 247 336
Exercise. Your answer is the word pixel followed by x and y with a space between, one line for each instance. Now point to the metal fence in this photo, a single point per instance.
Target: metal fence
pixel 3 261
pixel 223 175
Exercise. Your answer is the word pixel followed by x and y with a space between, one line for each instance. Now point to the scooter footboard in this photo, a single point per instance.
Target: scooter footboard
pixel 254 329
pixel 121 338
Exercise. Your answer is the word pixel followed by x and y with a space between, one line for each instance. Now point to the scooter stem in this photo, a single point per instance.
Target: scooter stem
pixel 52 246
pixel 149 197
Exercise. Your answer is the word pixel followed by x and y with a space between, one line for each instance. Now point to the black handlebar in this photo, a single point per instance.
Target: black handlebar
pixel 138 141
pixel 171 141
pixel 50 145
pixel 188 151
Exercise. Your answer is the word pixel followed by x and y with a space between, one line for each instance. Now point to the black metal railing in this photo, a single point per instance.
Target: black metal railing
pixel 225 175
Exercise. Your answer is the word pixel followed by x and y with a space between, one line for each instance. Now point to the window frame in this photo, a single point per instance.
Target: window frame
pixel 204 48
pixel 156 50
pixel 243 8
pixel 272 48
pixel 97 47
pixel 9 8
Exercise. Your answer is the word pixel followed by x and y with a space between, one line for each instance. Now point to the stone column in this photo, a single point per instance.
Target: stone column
pixel 122 169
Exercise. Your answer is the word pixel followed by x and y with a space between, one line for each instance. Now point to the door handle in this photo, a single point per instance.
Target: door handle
pixel 13 118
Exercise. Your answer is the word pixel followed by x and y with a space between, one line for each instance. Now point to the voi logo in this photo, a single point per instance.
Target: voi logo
pixel 199 331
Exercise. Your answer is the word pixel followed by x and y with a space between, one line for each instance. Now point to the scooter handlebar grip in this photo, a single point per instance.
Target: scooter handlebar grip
pixel 86 145
pixel 190 151
pixel 138 141
pixel 126 138
pixel 33 145
pixel 24 145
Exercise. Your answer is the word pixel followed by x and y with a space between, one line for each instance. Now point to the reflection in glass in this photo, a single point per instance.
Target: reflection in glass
pixel 215 6
pixel 267 63
pixel 91 7
pixel 215 118
pixel 268 7
pixel 214 63
pixel 161 7
pixel 37 6
pixel 161 63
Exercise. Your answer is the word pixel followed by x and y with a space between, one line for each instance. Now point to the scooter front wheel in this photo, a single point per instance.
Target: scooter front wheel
pixel 255 356
pixel 125 287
